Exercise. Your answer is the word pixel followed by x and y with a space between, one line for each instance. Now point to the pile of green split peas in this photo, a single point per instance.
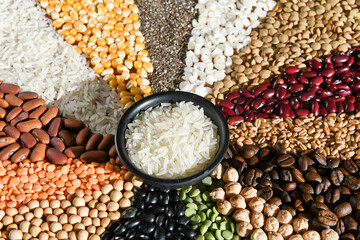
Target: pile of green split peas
pixel 204 215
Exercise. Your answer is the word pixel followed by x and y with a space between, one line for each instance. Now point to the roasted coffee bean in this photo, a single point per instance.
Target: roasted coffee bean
pixel 313 177
pixel 299 206
pixel 306 188
pixel 333 163
pixel 303 163
pixel 332 196
pixel 297 175
pixel 285 175
pixel 351 166
pixel 264 182
pixel 317 206
pixel 274 175
pixel 345 192
pixel 266 193
pixel 337 177
pixel 279 148
pixel 250 179
pixel 355 202
pixel 352 182
pixel 319 158
pixel 286 197
pixel 351 225
pixel 342 209
pixel 347 236
pixel 308 198
pixel 285 160
pixel 249 151
pixel 290 209
pixel 291 186
pixel 327 218
pixel 340 227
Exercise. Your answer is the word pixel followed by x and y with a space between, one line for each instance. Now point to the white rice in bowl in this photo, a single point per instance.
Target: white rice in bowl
pixel 172 140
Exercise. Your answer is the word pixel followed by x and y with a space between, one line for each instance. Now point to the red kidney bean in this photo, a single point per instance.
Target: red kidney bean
pixel 306 96
pixel 73 124
pixel 3 103
pixel 248 104
pixel 74 152
pixel 258 90
pixel 6 153
pixel 22 116
pixel 13 113
pixel 2 113
pixel 343 86
pixel 56 157
pixel 93 142
pixel 270 102
pixel 338 98
pixel 106 143
pixel 349 107
pixel 285 110
pixel 9 88
pixel 94 156
pixel 291 79
pixel 245 93
pixel 315 108
pixel 225 103
pixel 343 92
pixel 350 99
pixel 49 115
pixel 239 110
pixel 112 152
pixel 340 107
pixel 323 111
pixel 12 132
pixel 28 125
pixel 261 115
pixel 228 111
pixel 296 88
pixel 13 100
pixel 303 80
pixel 310 74
pixel 4 141
pixel 317 81
pixel 38 154
pixel 340 59
pixel 324 94
pixel 351 61
pixel 231 96
pixel 2 125
pixel 67 138
pixel 54 127
pixel 235 120
pixel 327 72
pixel 294 103
pixel 341 70
pixel 302 112
pixel 315 64
pixel 20 155
pixel 292 70
pixel 240 100
pixel 38 112
pixel 32 104
pixel 268 94
pixel 83 136
pixel 57 143
pixel 258 103
pixel 27 95
pixel 357 106
pixel 41 136
pixel 331 106
pixel 249 116
pixel 267 110
pixel 28 140
pixel 280 93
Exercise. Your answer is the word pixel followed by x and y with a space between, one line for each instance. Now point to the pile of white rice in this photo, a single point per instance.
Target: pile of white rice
pixel 34 56
pixel 172 141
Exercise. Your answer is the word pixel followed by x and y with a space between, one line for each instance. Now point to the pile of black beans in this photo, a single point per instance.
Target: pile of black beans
pixel 324 191
pixel 155 214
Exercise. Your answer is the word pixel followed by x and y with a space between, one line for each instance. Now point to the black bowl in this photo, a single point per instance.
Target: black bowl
pixel 172 97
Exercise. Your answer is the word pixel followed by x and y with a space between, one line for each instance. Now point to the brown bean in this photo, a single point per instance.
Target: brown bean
pixel 41 136
pixel 343 209
pixel 112 151
pixel 12 132
pixel 2 134
pixel 49 115
pixel 38 154
pixel 73 123
pixel 83 136
pixel 28 140
pixel 8 151
pixel 2 125
pixel 13 100
pixel 327 218
pixel 28 125
pixel 74 152
pixel 67 138
pixel 4 141
pixel 106 143
pixel 38 112
pixel 13 113
pixel 285 160
pixel 93 142
pixel 27 95
pixel 20 155
pixel 9 88
pixel 3 103
pixel 54 127
pixel 2 112
pixel 32 104
pixel 58 144
pixel 55 156
pixel 94 156
pixel 22 116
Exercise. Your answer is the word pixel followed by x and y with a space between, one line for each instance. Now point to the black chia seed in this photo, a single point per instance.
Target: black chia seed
pixel 166 26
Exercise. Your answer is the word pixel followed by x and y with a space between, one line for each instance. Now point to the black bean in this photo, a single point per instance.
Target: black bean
pixel 169 224
pixel 173 196
pixel 118 238
pixel 187 231
pixel 182 220
pixel 156 209
pixel 169 211
pixel 107 236
pixel 163 198
pixel 146 228
pixel 146 216
pixel 159 233
pixel 150 188
pixel 132 223
pixel 139 192
pixel 112 226
pixel 159 220
pixel 152 198
pixel 140 236
pixel 174 236
pixel 120 230
pixel 129 213
pixel 130 234
pixel 138 203
pixel 179 209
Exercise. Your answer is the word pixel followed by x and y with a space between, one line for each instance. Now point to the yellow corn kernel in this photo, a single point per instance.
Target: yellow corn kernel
pixel 146 90
pixel 74 15
pixel 142 72
pixel 112 83
pixel 112 56
pixel 126 12
pixel 129 64
pixel 95 61
pixel 140 39
pixel 101 42
pixel 129 50
pixel 91 23
pixel 78 37
pixel 124 100
pixel 119 79
pixel 144 53
pixel 133 76
pixel 137 65
pixel 99 68
pixel 128 27
pixel 125 74
pixel 70 2
pixel 137 26
pixel 128 105
pixel 106 63
pixel 77 7
pixel 134 17
pixel 133 8
pixel 58 7
pixel 139 46
pixel 112 19
pixel 109 77
pixel 131 57
pixel 64 33
pixel 73 32
pixel 143 59
pixel 137 98
pixel 58 23
pixel 114 33
pixel 66 8
pixel 86 38
pixel 87 32
pixel 81 44
pixel 93 39
pixel 79 27
pixel 110 40
pixel 119 27
pixel 120 87
pixel 87 50
pixel 103 55
pixel 44 3
pixel 67 26
pixel 125 93
pixel 70 39
pixel 84 18
pixel 115 63
pixel 78 50
pixel 135 91
pixel 102 10
pixel 148 67
pixel 131 83
pixel 96 32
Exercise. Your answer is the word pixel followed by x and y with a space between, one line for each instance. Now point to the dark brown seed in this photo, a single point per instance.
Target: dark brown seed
pixel 74 152
pixel 12 132
pixel 249 151
pixel 285 160
pixel 351 166
pixel 9 88
pixel 41 136
pixel 352 182
pixel 285 175
pixel 28 125
pixel 290 186
pixel 8 151
pixel 355 202
pixel 49 115
pixel 38 112
pixel 297 175
pixel 73 124
pixel 20 155
pixel 27 95
pixel 106 143
pixel 348 236
pixel 56 157
pixel 67 138
pixel 333 163
pixel 38 154
pixel 2 112
pixel 327 218
pixel 343 209
pixel 332 196
pixel 83 136
pixel 28 140
pixel 340 227
pixel 21 117
pixel 306 188
pixel 94 156
pixel 57 143
pixel 112 152
pixel 93 142
pixel 266 193
pixel 351 225
pixel 32 104
pixel 304 163
pixel 319 158
pixel 337 177
pixel 54 127
pixel 13 100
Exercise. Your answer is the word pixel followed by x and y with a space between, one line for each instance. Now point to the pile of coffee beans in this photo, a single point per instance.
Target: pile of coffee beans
pixel 323 192
pixel 155 214
pixel 30 130
pixel 321 88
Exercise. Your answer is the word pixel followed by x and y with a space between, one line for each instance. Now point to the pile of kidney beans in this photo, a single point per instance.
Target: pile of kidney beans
pixel 322 88
pixel 157 214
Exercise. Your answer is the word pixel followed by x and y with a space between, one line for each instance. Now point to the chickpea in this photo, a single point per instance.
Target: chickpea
pixel 55 204
pixel 27 236
pixel 248 193
pixel 58 211
pixel 62 235
pixel 242 215
pixel 12 226
pixel 44 204
pixel 45 226
pixel 271 224
pixel 55 227
pixel 115 195
pixel 257 219
pixel 257 204
pixel 218 172
pixel 105 199
pixel 231 175
pixel 300 225
pixel 286 230
pixel 114 215
pixel 258 234
pixel 106 189
pixel 68 227
pixel 91 229
pixel 93 203
pixel 244 229
pixel 275 236
pixel 271 210
pixel 218 194
pixel 11 212
pixel 311 235
pixel 36 221
pixel 284 217
pixel 79 226
pixel 25 226
pixel 224 207
pixel 88 198
pixel 73 219
pixel 19 218
pixel 296 237
pixel 7 220
pixel 137 182
pixel 38 212
pixel 78 202
pixel 35 231
pixel 232 188
pixel 79 193
pixel 33 204
pixel 118 185
pixel 238 201
pixel 94 237
pixel 124 203
pixel 43 236
pixel 15 234
pixel 83 211
pixel 83 235
pixel 329 234
pixel 128 194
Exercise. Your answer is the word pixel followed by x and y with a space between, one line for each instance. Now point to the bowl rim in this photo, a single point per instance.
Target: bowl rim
pixel 131 113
